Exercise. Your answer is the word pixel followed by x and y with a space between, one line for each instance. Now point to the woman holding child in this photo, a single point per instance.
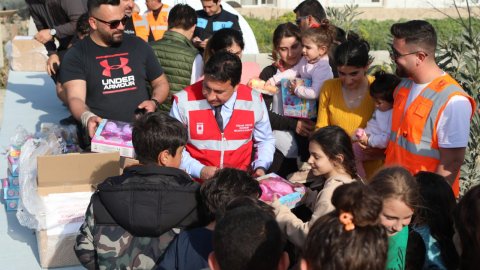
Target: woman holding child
pixel 286 53
pixel 345 101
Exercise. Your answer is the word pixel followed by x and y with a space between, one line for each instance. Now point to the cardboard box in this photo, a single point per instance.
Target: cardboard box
pixel 294 106
pixel 127 162
pixel 65 174
pixel 28 54
pixel 113 136
pixel 287 193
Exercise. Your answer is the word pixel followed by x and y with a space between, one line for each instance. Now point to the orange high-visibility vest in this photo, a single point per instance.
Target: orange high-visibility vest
pixel 413 141
pixel 146 22
pixel 206 143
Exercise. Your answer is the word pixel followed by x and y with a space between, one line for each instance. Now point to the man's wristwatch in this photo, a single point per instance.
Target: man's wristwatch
pixel 53 32
pixel 157 104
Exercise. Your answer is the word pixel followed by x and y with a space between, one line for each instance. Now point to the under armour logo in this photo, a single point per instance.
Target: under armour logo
pixel 107 67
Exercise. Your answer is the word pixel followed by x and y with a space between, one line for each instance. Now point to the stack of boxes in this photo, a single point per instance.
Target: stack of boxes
pixel 11 191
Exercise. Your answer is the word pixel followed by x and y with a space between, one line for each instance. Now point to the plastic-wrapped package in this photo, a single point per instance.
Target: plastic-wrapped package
pixel 31 210
pixel 20 137
pixel 287 193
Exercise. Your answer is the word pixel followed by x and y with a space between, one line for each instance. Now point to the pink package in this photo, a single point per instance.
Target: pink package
pixel 112 136
pixel 274 185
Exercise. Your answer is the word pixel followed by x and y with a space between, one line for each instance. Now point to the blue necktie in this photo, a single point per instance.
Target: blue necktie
pixel 218 117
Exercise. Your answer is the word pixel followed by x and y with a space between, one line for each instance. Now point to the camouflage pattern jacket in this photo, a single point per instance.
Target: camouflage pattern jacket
pixel 128 224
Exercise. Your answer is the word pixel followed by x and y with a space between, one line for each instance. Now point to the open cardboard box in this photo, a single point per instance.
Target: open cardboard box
pixel 64 174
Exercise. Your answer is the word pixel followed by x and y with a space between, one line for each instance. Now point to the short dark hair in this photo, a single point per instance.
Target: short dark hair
pixel 94 4
pixel 417 32
pixel 182 16
pixel 223 67
pixel 384 86
pixel 248 237
pixel 155 132
pixel 221 40
pixel 330 245
pixel 353 52
pixel 83 27
pixel 311 8
pixel 226 185
pixel 214 1
pixel 335 141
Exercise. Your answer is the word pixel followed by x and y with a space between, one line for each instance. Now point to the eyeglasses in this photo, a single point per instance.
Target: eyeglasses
pixel 394 54
pixel 299 20
pixel 115 23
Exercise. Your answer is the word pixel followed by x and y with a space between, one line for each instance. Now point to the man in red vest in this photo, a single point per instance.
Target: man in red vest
pixel 225 121
pixel 431 112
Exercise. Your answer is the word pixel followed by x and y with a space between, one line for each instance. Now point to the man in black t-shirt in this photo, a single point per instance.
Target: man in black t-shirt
pixel 105 74
pixel 211 19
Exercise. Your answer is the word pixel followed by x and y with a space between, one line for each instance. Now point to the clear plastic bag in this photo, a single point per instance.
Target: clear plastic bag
pixel 31 210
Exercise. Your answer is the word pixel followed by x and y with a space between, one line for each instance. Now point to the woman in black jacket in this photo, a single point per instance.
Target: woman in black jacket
pixel 286 52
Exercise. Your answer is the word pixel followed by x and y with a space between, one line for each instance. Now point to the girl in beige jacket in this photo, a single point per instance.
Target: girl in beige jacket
pixel 332 158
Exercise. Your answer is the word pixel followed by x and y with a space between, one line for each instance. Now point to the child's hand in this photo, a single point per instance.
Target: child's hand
pixel 268 83
pixel 363 139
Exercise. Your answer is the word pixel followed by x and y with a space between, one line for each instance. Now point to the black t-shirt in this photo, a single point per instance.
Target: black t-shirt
pixel 208 25
pixel 115 76
pixel 129 27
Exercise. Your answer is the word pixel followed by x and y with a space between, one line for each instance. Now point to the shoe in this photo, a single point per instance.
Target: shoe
pixel 68 121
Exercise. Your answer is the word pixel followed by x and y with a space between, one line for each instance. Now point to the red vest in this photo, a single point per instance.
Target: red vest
pixel 206 143
pixel 413 140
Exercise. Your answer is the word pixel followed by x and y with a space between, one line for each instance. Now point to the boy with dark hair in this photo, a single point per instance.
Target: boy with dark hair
pixel 248 238
pixel 181 61
pixel 190 249
pixel 129 221
pixel 226 120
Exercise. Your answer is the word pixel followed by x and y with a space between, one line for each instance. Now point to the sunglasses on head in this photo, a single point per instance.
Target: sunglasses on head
pixel 115 23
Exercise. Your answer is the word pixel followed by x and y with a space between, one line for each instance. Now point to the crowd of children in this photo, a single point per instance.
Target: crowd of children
pixel 398 221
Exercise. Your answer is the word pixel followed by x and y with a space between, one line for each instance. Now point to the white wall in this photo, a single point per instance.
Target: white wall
pixel 288 4
pixel 396 3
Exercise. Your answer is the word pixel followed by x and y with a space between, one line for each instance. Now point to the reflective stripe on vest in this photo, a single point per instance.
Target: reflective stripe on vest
pixel 231 148
pixel 146 22
pixel 427 146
